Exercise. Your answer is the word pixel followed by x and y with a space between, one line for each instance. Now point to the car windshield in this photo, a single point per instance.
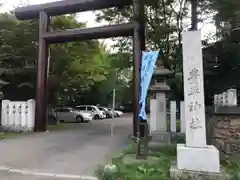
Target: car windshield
pixel 103 109
pixel 95 108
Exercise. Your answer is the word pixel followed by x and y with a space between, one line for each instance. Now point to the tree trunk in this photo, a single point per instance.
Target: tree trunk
pixel 194 14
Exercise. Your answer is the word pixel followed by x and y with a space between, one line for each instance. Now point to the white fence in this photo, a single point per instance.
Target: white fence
pixel 18 115
pixel 173 117
pixel 228 98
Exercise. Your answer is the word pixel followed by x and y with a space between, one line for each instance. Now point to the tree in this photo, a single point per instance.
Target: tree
pixel 224 53
pixel 226 11
pixel 165 23
pixel 73 64
pixel 117 77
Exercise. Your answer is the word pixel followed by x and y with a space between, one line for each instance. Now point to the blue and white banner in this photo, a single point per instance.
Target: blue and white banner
pixel 149 60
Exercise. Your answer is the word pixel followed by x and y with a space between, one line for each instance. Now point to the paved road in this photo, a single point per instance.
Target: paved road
pixel 72 153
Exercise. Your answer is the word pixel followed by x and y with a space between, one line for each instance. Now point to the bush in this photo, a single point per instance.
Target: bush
pixel 159 170
pixel 148 171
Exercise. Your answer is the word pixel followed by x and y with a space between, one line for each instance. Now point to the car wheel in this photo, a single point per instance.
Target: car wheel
pixel 79 119
pixel 96 117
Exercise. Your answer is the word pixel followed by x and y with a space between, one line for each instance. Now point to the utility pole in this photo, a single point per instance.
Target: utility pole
pixel 113 110
pixel 194 14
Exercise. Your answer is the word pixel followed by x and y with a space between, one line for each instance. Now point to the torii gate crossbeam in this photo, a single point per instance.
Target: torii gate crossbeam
pixel 67 7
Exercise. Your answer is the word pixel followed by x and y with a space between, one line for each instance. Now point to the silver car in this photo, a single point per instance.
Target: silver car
pixel 72 115
pixel 117 113
pixel 97 114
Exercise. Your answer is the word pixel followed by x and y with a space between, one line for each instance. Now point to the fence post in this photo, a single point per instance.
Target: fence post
pixel 173 109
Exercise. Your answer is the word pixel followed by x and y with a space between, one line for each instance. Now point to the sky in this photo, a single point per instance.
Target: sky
pixel 89 17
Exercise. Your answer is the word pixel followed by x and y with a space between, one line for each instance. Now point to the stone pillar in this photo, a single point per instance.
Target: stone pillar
pixel 153 115
pixel 195 157
pixel 182 117
pixel 225 98
pixel 215 102
pixel 5 114
pixel 159 89
pixel 218 101
pixel 24 117
pixel 158 121
pixel 232 97
pixel 11 116
pixel 173 110
pixel 161 112
pixel 221 99
pixel 18 116
pixel 31 114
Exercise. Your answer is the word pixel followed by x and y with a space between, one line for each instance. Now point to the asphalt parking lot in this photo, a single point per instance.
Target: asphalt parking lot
pixel 65 154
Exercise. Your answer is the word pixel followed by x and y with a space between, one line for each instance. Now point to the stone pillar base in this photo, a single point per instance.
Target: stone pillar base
pixel 178 174
pixel 198 159
pixel 160 138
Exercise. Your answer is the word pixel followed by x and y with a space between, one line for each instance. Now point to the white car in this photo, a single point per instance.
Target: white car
pixel 72 115
pixel 118 113
pixel 96 113
pixel 109 112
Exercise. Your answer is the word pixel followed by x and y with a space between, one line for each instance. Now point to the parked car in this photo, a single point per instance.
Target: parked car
pixel 109 113
pixel 125 108
pixel 117 112
pixel 70 115
pixel 94 110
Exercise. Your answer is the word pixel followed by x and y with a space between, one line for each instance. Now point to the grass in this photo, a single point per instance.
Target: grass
pixel 157 171
pixel 7 135
pixel 60 126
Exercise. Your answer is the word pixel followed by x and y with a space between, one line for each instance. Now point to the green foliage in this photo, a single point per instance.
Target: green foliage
pixel 166 19
pixel 227 11
pixel 165 22
pixel 18 42
pixel 80 64
pixel 86 68
pixel 117 77
pixel 77 65
pixel 225 52
pixel 8 135
pixel 158 170
pixel 155 171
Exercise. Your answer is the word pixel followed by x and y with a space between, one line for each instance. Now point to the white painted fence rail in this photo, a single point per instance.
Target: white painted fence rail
pixel 18 116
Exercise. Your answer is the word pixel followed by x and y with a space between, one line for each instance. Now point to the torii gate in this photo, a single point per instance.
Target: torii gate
pixel 44 12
